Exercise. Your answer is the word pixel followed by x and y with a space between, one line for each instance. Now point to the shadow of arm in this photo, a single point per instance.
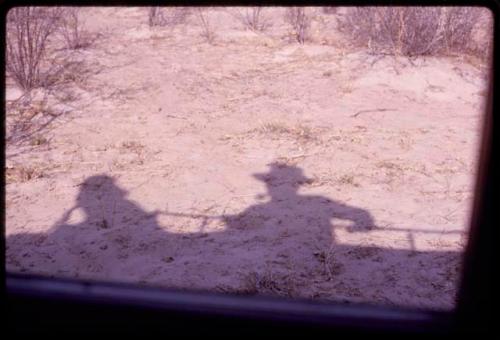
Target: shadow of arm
pixel 362 219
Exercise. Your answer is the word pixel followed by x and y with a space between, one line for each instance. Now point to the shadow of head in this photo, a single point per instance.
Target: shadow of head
pixel 99 187
pixel 281 174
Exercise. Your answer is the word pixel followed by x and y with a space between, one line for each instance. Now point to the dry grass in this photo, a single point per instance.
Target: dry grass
pixel 132 146
pixel 266 283
pixel 38 141
pixel 23 173
pixel 392 169
pixel 331 266
pixel 269 283
pixel 135 147
pixel 330 179
pixel 327 74
pixel 363 253
pixel 405 141
pixel 396 171
pixel 277 129
pixel 348 179
pixel 346 88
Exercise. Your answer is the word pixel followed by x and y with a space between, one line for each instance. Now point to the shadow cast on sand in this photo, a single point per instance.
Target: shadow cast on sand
pixel 283 247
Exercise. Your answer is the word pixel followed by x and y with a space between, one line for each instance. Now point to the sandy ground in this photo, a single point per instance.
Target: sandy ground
pixel 252 165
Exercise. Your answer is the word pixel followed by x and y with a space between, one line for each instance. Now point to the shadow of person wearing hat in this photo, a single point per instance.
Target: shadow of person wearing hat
pixel 292 220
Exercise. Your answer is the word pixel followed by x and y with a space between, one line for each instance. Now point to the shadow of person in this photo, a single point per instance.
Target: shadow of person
pixel 292 229
pixel 102 201
pixel 91 238
pixel 289 210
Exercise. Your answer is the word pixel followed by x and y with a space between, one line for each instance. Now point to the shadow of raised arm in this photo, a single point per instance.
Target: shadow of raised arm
pixel 362 219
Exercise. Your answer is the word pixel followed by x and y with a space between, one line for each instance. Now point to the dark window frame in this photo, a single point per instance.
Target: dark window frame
pixel 37 303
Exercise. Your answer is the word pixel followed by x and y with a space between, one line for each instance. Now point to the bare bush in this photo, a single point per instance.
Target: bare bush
pixel 28 116
pixel 28 31
pixel 154 16
pixel 71 29
pixel 459 27
pixel 169 16
pixel 208 31
pixel 300 21
pixel 411 31
pixel 395 30
pixel 253 18
pixel 330 9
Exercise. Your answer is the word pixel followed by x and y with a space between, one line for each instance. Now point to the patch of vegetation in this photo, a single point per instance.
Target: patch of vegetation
pixel 414 31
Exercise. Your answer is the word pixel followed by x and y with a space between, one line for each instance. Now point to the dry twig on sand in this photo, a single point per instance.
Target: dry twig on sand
pixel 374 110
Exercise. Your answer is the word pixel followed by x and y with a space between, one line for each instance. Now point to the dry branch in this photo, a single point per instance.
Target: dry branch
pixel 374 110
